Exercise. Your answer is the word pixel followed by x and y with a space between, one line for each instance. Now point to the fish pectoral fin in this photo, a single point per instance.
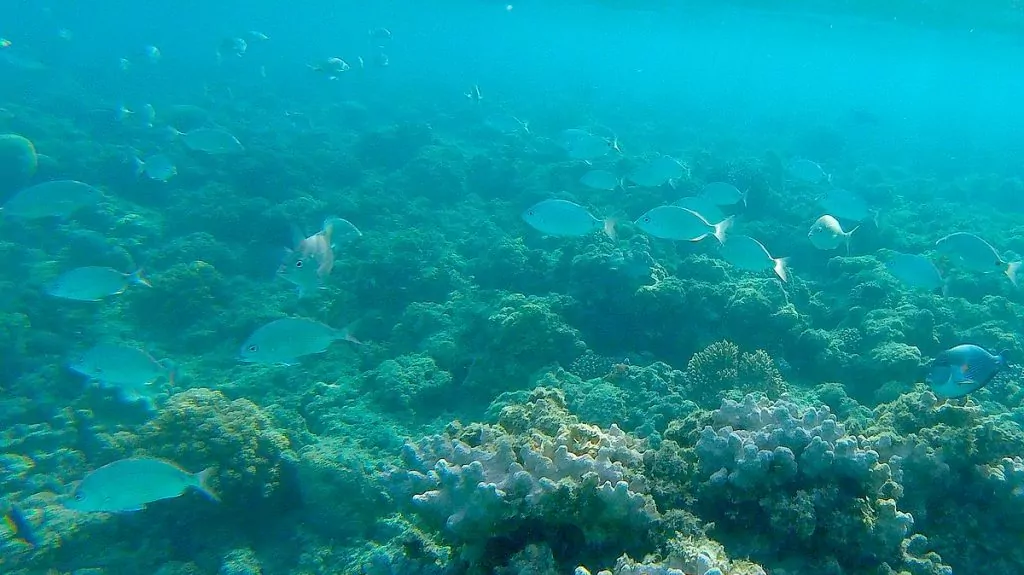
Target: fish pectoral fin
pixel 965 382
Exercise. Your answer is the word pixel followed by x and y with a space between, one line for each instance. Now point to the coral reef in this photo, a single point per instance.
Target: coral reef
pixel 482 484
pixel 199 427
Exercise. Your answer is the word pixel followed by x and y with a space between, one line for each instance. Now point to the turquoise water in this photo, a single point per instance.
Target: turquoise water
pixel 395 288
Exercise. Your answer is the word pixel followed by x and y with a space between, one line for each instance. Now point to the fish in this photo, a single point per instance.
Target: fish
pixel 676 223
pixel 93 283
pixel 58 198
pixel 590 147
pixel 507 124
pixel 256 36
pixel 657 172
pixel 152 54
pixel 723 194
pixel 474 93
pixel 565 219
pixel 746 253
pixel 975 254
pixel 312 258
pixel 5 43
pixel 300 271
pixel 283 341
pixel 963 369
pixel 845 205
pixel 156 167
pixel 210 140
pixel 380 34
pixel 703 206
pixel 828 234
pixel 130 484
pixel 808 171
pixel 148 115
pixel 235 46
pixel 333 67
pixel 601 180
pixel 127 369
pixel 19 525
pixel 915 271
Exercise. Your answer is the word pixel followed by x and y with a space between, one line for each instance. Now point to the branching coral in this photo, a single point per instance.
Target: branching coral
pixel 484 483
pixel 721 368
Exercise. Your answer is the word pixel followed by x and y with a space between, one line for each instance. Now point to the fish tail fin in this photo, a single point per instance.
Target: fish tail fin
pixel 1003 355
pixel 170 369
pixel 944 289
pixel 609 229
pixel 138 278
pixel 846 238
pixel 346 334
pixel 203 483
pixel 722 227
pixel 1011 271
pixel 744 196
pixel 782 268
pixel 140 166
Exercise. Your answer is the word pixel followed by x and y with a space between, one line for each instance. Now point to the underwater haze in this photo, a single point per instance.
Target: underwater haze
pixel 488 288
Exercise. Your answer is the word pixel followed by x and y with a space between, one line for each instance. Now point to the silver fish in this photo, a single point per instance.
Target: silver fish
pixel 828 234
pixel 130 370
pixel 975 254
pixel 915 271
pixel 703 206
pixel 601 180
pixel 808 171
pixel 566 219
pixel 156 167
pixel 211 141
pixel 657 172
pixel 130 484
pixel 845 205
pixel 507 124
pixel 284 341
pixel 746 253
pixel 675 223
pixel 723 194
pixel 93 283
pixel 59 198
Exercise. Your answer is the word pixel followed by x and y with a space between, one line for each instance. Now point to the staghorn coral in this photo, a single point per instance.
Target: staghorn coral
pixel 200 427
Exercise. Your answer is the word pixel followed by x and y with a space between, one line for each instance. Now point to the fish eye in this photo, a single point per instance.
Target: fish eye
pixel 254 348
pixel 79 496
pixel 530 212
pixel 298 263
pixel 647 220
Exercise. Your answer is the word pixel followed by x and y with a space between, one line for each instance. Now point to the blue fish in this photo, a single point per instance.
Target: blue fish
pixel 963 369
